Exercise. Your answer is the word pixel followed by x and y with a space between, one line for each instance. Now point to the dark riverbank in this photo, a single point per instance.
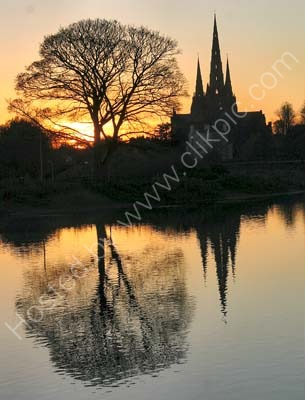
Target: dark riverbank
pixel 213 185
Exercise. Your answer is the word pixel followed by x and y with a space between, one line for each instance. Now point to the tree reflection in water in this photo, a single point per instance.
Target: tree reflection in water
pixel 133 321
pixel 131 314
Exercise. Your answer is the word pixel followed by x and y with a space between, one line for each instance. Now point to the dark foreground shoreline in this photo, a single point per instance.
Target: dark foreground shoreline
pixel 215 185
pixel 14 211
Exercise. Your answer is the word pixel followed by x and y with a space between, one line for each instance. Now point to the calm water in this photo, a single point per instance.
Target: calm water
pixel 188 305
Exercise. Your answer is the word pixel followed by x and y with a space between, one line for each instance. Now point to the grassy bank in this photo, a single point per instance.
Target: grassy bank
pixel 212 184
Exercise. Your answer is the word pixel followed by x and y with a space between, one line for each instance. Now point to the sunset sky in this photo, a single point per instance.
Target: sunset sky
pixel 255 34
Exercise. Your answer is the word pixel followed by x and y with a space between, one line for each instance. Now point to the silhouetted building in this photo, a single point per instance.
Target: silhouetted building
pixel 214 112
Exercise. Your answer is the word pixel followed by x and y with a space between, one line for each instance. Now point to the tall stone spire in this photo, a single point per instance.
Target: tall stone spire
pixel 228 84
pixel 199 85
pixel 198 103
pixel 216 75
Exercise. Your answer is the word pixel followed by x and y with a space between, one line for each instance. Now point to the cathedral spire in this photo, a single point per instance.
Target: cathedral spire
pixel 216 75
pixel 228 84
pixel 198 103
pixel 199 85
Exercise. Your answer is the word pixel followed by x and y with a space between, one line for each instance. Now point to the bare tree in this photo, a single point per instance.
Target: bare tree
pixel 286 116
pixel 278 127
pixel 302 114
pixel 163 132
pixel 101 72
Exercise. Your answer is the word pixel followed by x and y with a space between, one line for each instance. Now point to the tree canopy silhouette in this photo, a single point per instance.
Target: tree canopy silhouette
pixel 302 114
pixel 23 149
pixel 286 115
pixel 104 73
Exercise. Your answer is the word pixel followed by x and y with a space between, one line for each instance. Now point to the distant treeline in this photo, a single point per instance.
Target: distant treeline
pixel 27 151
pixel 36 171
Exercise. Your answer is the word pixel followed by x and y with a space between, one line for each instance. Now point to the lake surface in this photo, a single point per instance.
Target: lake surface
pixel 186 305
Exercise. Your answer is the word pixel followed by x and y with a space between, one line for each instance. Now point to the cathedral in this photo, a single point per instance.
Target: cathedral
pixel 214 111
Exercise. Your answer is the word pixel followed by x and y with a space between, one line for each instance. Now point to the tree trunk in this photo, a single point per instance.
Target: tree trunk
pixel 110 147
pixel 102 156
pixel 96 149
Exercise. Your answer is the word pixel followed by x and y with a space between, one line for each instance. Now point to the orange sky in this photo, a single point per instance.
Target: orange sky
pixel 254 34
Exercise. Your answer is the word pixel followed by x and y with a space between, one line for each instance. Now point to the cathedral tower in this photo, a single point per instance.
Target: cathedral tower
pixel 211 109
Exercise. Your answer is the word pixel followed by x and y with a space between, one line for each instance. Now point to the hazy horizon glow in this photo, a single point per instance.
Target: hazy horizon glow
pixel 254 35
